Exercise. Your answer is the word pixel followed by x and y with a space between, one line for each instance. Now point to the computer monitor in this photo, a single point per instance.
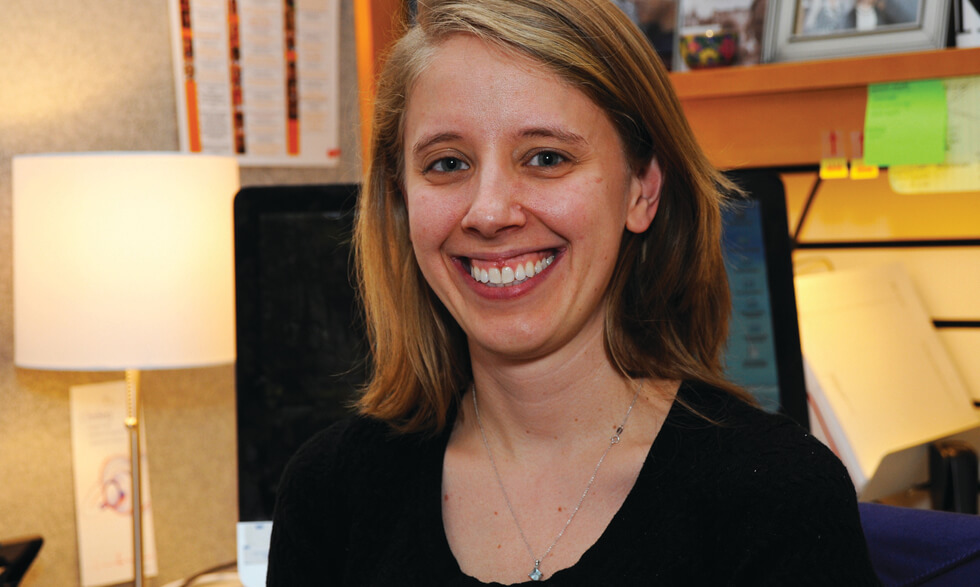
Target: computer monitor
pixel 300 340
pixel 300 344
pixel 763 354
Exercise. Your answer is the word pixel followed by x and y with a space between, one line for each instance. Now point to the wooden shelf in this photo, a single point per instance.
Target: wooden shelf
pixel 763 115
pixel 776 114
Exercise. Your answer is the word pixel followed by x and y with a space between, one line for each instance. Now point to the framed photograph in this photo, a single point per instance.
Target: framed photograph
pixel 746 19
pixel 803 30
pixel 657 19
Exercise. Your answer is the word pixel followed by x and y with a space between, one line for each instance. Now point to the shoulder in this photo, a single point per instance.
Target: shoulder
pixel 354 471
pixel 756 453
pixel 350 451
pixel 774 489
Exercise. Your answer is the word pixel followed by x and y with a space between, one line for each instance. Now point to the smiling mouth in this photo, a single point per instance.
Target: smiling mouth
pixel 509 273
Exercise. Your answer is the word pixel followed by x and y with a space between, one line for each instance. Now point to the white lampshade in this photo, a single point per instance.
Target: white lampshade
pixel 123 260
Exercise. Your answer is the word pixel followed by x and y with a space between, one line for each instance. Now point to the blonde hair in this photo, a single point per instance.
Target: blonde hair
pixel 668 300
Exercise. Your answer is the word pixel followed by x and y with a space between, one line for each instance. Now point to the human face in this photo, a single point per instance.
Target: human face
pixel 518 193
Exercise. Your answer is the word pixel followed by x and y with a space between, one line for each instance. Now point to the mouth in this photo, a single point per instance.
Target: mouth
pixel 510 272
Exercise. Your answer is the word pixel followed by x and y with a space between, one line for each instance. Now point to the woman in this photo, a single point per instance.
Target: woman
pixel 538 252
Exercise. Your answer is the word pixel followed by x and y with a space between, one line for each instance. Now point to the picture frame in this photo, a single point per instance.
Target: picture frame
pixel 804 30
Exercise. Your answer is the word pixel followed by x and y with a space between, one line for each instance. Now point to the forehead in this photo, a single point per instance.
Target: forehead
pixel 467 79
pixel 466 56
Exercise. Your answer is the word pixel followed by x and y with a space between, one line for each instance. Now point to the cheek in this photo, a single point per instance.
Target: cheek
pixel 582 209
pixel 431 219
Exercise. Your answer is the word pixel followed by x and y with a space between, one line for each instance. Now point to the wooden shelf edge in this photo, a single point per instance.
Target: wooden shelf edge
pixel 776 78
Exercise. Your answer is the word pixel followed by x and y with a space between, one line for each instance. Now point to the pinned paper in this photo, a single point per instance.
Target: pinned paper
pixel 931 179
pixel 905 123
pixel 103 495
pixel 961 171
pixel 963 104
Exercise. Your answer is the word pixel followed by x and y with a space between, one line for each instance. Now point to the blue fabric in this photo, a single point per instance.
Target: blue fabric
pixel 922 547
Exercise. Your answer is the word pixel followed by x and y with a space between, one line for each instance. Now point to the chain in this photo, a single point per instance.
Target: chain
pixel 536 574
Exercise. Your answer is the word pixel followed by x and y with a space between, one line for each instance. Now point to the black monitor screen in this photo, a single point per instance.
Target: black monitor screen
pixel 300 343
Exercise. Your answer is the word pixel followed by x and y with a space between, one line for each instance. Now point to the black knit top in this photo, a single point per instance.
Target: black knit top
pixel 753 501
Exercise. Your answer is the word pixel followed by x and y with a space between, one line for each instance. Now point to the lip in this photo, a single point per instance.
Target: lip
pixel 511 291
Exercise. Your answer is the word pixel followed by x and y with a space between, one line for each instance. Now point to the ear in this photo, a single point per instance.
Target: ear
pixel 644 197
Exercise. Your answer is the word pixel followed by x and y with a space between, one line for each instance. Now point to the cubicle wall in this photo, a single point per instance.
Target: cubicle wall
pixel 96 75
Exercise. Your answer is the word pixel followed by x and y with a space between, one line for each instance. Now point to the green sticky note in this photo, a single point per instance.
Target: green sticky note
pixel 905 123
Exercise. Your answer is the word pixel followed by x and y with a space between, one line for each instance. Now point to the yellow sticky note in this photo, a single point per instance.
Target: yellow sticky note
pixel 905 123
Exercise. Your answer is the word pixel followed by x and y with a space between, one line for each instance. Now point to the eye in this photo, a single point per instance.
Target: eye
pixel 546 159
pixel 448 165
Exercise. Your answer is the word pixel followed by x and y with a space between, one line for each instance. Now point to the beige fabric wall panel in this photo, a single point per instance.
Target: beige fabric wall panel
pixel 96 75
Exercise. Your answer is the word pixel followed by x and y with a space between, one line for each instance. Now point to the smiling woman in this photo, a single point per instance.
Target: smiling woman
pixel 499 179
pixel 538 253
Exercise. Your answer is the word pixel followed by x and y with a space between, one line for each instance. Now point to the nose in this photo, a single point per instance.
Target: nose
pixel 495 207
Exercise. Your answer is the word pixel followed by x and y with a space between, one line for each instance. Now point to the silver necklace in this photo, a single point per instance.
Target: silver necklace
pixel 536 574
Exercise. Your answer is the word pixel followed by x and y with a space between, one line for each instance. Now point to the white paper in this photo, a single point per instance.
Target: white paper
pixel 103 506
pixel 961 170
pixel 253 552
pixel 879 379
pixel 934 179
pixel 257 80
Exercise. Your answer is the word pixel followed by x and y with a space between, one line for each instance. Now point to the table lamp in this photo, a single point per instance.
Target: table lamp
pixel 124 262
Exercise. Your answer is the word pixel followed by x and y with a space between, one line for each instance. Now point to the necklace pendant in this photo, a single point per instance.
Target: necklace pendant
pixel 536 574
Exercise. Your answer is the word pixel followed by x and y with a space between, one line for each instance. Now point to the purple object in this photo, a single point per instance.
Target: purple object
pixel 922 547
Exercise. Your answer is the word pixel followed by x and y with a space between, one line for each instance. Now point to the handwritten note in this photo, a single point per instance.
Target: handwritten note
pixel 931 179
pixel 905 123
pixel 961 170
pixel 963 104
pixel 103 506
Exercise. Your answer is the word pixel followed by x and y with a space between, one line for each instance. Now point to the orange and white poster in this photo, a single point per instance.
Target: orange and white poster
pixel 258 79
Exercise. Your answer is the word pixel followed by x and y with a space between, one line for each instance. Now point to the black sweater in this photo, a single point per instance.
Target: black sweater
pixel 752 501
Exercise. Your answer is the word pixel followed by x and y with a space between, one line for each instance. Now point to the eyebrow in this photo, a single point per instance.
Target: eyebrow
pixel 561 134
pixel 427 141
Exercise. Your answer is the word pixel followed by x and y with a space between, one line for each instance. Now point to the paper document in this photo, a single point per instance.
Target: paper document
pixel 103 506
pixel 905 123
pixel 960 170
pixel 879 378
pixel 934 179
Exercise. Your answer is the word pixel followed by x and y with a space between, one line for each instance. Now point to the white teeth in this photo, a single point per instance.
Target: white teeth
pixel 506 275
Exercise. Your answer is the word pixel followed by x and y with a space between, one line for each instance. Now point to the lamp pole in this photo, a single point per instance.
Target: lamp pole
pixel 135 469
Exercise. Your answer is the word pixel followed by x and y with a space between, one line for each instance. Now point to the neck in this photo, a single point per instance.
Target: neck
pixel 551 400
